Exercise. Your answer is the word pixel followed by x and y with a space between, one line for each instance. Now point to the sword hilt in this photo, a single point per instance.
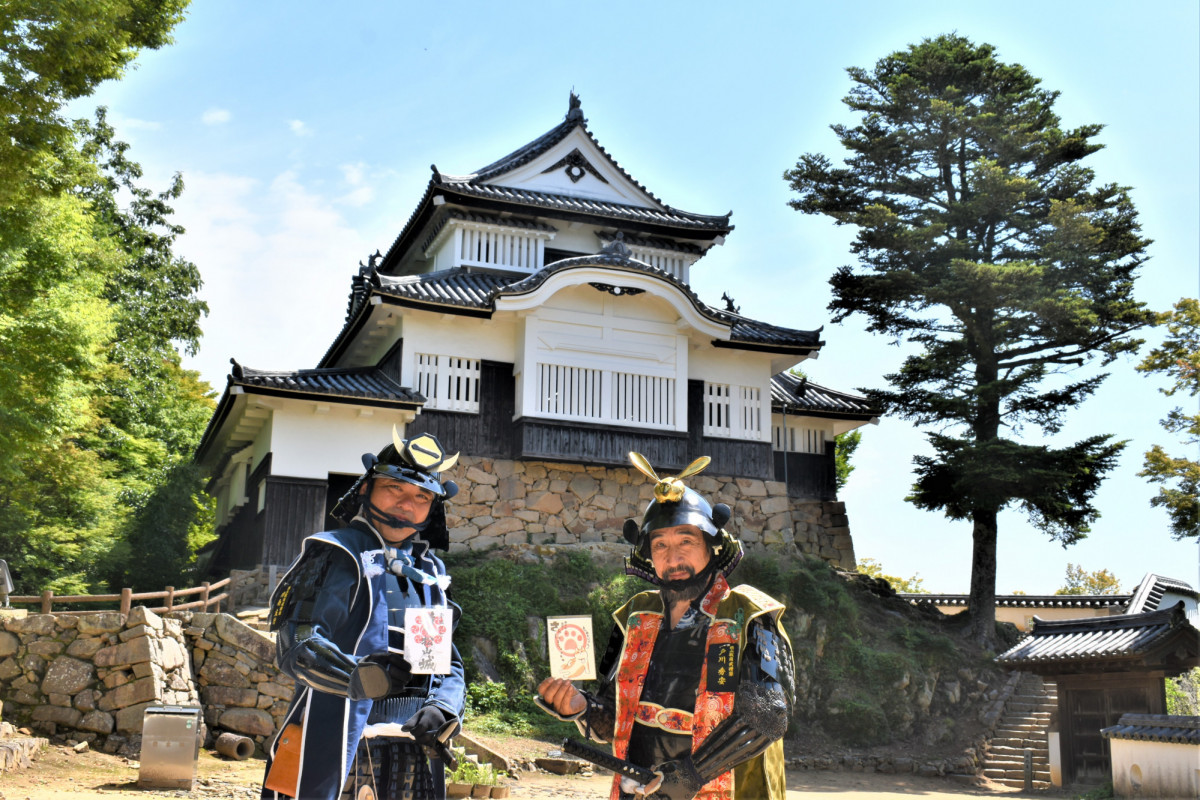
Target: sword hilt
pixel 600 758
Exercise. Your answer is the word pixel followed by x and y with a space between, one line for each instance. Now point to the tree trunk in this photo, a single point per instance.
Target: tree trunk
pixel 981 605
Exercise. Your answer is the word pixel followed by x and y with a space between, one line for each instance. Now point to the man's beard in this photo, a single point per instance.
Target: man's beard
pixel 685 589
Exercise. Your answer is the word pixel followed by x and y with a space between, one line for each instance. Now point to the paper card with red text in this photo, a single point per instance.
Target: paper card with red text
pixel 427 640
pixel 572 652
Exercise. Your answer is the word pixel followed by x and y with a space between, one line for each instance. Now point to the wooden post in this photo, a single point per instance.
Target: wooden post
pixel 170 597
pixel 204 595
pixel 232 592
pixel 126 600
pixel 47 601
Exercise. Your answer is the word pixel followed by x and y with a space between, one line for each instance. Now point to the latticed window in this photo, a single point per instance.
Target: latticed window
pixel 449 383
pixel 733 411
pixel 799 438
pixel 601 395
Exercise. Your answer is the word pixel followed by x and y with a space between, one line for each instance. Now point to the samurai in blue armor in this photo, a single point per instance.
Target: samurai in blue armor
pixel 370 727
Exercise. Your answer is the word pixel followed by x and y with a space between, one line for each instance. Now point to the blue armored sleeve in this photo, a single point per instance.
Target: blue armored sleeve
pixel 310 612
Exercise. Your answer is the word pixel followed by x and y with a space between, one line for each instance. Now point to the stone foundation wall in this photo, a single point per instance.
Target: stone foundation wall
pixel 89 678
pixel 505 503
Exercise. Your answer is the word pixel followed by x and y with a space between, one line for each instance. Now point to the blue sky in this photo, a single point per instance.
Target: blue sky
pixel 304 135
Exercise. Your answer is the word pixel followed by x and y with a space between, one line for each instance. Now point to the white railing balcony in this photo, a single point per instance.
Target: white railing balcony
pixel 798 439
pixel 734 412
pixel 607 396
pixel 449 383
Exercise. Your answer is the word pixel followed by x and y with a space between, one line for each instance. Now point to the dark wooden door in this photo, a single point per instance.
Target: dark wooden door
pixel 1087 757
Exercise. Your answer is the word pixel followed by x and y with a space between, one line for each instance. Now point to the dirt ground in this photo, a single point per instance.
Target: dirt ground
pixel 59 773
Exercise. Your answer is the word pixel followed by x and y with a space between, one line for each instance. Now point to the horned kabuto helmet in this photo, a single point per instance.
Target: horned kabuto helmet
pixel 676 504
pixel 420 460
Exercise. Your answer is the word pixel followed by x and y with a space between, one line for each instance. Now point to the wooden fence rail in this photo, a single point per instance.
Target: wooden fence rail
pixel 126 598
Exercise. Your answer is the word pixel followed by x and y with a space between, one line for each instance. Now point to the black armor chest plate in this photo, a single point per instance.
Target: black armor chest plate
pixel 672 680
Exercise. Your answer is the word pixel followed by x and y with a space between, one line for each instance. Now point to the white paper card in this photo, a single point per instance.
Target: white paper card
pixel 572 654
pixel 427 640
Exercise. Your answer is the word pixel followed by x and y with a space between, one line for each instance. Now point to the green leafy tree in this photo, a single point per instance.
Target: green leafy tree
pixel 844 446
pixel 983 241
pixel 52 53
pixel 95 409
pixel 913 585
pixel 1179 359
pixel 1080 581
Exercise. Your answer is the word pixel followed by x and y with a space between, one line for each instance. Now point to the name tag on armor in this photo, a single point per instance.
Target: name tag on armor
pixel 722 667
pixel 427 640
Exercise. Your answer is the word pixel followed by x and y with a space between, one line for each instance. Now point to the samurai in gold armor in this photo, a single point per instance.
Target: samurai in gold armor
pixel 697 683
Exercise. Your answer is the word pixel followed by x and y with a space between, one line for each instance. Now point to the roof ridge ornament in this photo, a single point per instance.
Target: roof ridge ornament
pixel 617 247
pixel 574 108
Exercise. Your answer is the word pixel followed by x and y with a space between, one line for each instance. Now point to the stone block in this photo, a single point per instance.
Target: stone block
pixel 484 494
pixel 774 505
pixel 142 690
pixel 240 635
pixel 86 700
pixel 272 689
pixel 228 696
pixel 68 675
pixel 501 527
pixel 37 624
pixel 144 648
pixel 134 632
pixel 129 720
pixel 485 543
pixel 478 476
pixel 545 502
pixel 97 721
pixel 249 721
pixel 59 715
pixel 118 677
pixel 46 648
pixel 84 647
pixel 8 644
pixel 140 615
pixel 174 655
pixel 584 487
pixel 463 533
pixel 221 674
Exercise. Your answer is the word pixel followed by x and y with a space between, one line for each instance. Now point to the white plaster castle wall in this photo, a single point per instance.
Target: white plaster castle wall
pixel 1155 769
pixel 307 442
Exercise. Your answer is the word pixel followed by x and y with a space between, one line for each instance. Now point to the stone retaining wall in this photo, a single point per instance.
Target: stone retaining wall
pixel 89 678
pixel 505 503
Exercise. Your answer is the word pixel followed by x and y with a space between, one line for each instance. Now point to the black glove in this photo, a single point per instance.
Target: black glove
pixel 433 728
pixel 379 675
pixel 680 780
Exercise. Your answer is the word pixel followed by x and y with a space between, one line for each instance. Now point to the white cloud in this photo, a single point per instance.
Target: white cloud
pixel 133 123
pixel 299 128
pixel 276 260
pixel 216 116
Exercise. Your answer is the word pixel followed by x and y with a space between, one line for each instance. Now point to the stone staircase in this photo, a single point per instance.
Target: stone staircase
pixel 1023 726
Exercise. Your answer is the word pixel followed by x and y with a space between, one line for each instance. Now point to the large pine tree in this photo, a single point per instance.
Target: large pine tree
pixel 983 240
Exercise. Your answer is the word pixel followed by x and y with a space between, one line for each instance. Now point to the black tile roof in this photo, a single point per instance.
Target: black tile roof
pixel 358 383
pixel 523 155
pixel 474 189
pixel 583 205
pixel 1120 601
pixel 1149 593
pixel 1155 728
pixel 1128 636
pixel 459 288
pixel 653 242
pixel 791 394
